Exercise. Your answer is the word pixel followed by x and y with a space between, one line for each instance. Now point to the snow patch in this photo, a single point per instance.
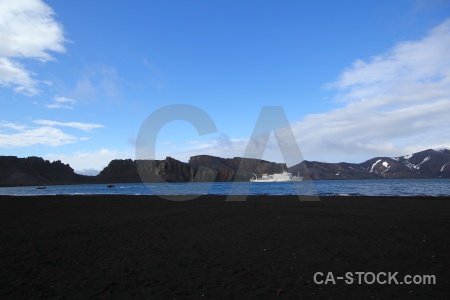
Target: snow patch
pixel 407 156
pixel 337 174
pixel 395 158
pixel 413 167
pixel 423 161
pixel 385 164
pixel 442 169
pixel 371 169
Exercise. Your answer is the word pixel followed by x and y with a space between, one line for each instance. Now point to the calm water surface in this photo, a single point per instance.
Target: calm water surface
pixel 394 187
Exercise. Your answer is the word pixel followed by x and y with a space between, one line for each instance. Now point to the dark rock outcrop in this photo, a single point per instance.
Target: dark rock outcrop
pixel 202 168
pixel 16 171
pixel 169 169
pixel 37 171
pixel 119 170
pixel 230 169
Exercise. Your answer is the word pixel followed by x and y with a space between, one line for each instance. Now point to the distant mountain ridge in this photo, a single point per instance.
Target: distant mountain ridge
pixel 425 164
pixel 30 171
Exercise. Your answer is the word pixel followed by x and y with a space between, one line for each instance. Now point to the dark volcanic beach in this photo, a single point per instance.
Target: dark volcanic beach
pixel 263 248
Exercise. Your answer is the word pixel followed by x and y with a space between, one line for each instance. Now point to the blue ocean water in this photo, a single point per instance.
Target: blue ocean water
pixel 391 187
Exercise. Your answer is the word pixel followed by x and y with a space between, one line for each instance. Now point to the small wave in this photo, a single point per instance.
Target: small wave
pixel 344 194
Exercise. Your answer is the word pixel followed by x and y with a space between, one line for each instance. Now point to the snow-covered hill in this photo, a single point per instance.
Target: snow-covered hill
pixel 431 163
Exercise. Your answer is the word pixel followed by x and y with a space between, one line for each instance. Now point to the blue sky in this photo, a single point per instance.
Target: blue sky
pixel 356 79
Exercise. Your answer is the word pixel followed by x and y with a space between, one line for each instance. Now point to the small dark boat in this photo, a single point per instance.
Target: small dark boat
pixel 41 187
pixel 111 186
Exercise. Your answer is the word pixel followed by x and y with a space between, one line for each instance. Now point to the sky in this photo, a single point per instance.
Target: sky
pixel 356 79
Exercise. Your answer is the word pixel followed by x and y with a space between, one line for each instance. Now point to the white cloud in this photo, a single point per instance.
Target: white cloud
pixel 23 136
pixel 60 99
pixel 10 125
pixel 219 145
pixel 77 125
pixel 19 135
pixel 412 62
pixel 89 162
pixel 61 102
pixel 13 73
pixel 56 105
pixel 27 30
pixel 396 103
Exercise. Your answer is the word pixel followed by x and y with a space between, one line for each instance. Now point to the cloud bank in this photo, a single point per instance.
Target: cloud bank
pixel 16 135
pixel 77 125
pixel 19 135
pixel 28 30
pixel 393 104
pixel 89 162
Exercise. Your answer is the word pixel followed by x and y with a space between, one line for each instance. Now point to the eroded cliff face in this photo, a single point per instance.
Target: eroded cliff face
pixel 201 168
pixel 16 171
pixel 204 168
pixel 169 169
pixel 37 171
pixel 232 169
pixel 119 170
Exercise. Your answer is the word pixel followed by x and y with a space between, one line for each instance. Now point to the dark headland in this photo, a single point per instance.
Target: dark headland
pixel 31 171
pixel 144 247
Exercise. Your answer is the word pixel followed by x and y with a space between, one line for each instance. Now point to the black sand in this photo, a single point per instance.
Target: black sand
pixel 263 248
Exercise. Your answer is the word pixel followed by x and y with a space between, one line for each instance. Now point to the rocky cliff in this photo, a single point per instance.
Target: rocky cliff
pixel 202 168
pixel 37 171
pixel 16 171
pixel 169 169
pixel 227 168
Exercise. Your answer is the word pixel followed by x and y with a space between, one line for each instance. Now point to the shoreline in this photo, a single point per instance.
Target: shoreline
pixel 186 182
pixel 268 246
pixel 248 197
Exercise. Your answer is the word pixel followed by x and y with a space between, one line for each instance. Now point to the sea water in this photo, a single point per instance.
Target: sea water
pixel 381 187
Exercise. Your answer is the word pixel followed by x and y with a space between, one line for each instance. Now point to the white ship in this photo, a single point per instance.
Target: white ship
pixel 277 177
